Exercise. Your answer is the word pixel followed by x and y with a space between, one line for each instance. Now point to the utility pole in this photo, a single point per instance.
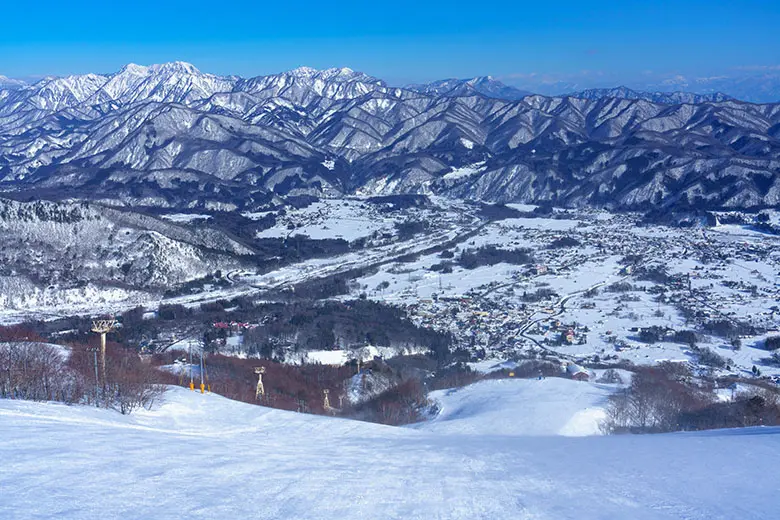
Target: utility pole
pixel 94 351
pixel 189 349
pixel 103 327
pixel 202 385
pixel 260 391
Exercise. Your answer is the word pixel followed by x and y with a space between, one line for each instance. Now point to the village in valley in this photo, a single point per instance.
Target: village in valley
pixel 505 283
pixel 584 287
pixel 600 288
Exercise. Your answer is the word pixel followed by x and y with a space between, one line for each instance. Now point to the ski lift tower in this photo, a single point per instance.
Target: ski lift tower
pixel 326 401
pixel 103 327
pixel 260 392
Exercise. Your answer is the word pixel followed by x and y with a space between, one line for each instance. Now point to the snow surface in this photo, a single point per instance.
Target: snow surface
pixel 465 171
pixel 330 218
pixel 339 357
pixel 186 217
pixel 203 456
pixel 550 406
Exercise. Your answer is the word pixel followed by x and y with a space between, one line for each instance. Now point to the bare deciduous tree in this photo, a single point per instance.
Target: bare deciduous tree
pixel 132 384
pixel 35 371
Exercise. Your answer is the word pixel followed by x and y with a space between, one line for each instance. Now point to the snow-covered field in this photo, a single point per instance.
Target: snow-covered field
pixel 202 456
pixel 339 357
pixel 550 406
pixel 349 219
pixel 186 217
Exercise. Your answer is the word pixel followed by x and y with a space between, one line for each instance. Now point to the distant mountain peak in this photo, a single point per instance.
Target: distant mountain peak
pixel 303 71
pixel 133 68
pixel 332 74
pixel 174 67
pixel 341 71
pixel 486 86
pixel 10 83
pixel 483 79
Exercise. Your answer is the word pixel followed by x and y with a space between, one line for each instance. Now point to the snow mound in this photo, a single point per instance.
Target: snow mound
pixel 520 407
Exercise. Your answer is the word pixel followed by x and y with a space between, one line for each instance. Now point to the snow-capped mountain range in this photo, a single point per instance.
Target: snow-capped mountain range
pixel 171 135
pixel 485 85
pixel 10 83
pixel 757 86
pixel 668 98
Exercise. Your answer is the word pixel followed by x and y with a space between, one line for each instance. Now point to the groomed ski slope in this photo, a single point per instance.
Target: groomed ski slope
pixel 203 456
pixel 551 406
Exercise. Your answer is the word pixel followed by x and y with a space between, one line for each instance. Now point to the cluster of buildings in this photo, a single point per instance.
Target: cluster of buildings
pixel 701 276
pixel 478 322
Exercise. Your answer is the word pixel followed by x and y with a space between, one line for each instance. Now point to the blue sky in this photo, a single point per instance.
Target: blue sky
pixel 401 41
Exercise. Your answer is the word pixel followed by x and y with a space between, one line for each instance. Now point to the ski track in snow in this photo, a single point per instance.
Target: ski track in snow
pixel 203 456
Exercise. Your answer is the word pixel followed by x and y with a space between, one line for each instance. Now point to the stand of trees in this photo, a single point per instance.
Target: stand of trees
pixel 128 384
pixel 563 242
pixel 33 370
pixel 287 387
pixel 491 255
pixel 654 401
pixel 759 409
pixel 403 404
pixel 328 325
pixel 664 399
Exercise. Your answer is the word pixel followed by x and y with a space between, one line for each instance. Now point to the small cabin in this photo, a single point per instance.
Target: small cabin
pixel 577 372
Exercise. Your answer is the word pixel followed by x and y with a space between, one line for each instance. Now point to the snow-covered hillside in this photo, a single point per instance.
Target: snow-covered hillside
pixel 202 456
pixel 551 406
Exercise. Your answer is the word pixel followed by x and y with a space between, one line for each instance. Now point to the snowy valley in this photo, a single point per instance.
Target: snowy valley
pixel 449 300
